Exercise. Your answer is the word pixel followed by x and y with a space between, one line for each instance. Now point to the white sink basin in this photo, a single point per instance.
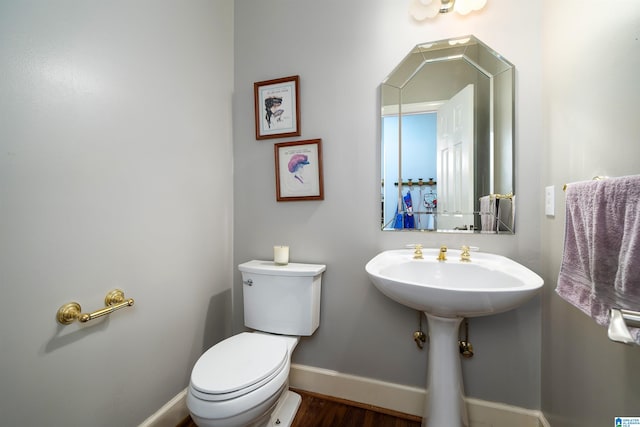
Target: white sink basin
pixel 488 284
pixel 448 291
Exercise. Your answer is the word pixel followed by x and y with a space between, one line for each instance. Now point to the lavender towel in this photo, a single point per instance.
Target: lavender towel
pixel 601 260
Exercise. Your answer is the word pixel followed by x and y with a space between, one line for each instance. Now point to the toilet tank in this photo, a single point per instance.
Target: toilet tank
pixel 281 299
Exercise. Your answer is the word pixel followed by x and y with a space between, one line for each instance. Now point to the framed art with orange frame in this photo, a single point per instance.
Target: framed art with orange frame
pixel 277 108
pixel 299 170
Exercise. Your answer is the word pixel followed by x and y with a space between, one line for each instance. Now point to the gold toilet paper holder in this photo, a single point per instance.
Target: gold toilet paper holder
pixel 70 312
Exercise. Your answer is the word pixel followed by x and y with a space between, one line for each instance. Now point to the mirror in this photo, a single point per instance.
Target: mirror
pixel 447 130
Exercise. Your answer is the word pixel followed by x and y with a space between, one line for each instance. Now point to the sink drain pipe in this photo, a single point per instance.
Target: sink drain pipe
pixel 466 348
pixel 419 336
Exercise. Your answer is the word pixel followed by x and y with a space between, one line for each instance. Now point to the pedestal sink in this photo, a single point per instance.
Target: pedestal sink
pixel 448 291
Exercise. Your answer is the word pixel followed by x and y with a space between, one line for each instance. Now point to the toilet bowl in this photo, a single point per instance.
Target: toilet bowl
pixel 239 381
pixel 243 380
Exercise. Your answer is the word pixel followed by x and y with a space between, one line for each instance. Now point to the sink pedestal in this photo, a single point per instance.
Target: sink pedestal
pixel 453 290
pixel 445 405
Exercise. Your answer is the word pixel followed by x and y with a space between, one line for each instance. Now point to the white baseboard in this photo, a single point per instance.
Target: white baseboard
pixel 397 397
pixel 543 421
pixel 409 400
pixel 171 414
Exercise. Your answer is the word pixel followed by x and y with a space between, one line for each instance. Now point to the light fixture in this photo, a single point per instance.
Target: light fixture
pixel 446 6
pixel 423 9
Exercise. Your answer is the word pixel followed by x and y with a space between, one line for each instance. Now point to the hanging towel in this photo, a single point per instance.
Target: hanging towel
pixel 398 222
pixel 487 214
pixel 431 224
pixel 600 266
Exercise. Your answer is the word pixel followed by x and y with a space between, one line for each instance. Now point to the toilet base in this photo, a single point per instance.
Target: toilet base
pixel 286 410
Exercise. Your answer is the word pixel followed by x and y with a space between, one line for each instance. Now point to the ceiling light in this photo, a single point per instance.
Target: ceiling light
pixel 423 9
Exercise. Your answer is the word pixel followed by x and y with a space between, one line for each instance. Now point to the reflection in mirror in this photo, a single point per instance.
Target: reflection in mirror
pixel 447 140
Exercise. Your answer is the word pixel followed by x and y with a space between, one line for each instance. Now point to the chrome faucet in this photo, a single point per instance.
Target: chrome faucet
pixel 442 256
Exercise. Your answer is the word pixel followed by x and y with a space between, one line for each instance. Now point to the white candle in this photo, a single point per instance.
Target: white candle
pixel 281 255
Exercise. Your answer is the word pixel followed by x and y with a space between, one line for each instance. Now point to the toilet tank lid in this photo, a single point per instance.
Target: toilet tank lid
pixel 273 269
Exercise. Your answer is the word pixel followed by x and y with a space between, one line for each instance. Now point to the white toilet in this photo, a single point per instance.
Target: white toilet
pixel 243 380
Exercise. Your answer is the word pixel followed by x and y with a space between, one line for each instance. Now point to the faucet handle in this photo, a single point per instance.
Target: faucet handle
pixel 442 256
pixel 417 253
pixel 465 255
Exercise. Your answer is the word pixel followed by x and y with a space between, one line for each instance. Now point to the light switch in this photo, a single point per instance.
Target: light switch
pixel 549 200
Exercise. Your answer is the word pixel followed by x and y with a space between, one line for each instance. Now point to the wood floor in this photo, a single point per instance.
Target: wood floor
pixel 317 410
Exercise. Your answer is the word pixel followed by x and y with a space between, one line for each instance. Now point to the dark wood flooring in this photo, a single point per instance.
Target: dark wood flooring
pixel 317 410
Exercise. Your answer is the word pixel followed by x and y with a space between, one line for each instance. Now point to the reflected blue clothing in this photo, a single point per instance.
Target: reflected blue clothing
pixel 409 219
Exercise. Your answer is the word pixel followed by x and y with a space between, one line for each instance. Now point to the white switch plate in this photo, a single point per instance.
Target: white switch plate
pixel 549 200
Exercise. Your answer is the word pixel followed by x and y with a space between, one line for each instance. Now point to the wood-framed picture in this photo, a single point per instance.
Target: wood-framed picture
pixel 277 107
pixel 299 170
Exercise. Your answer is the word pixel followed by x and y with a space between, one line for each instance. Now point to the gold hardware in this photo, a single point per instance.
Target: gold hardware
pixel 465 256
pixel 68 313
pixel 417 253
pixel 465 347
pixel 442 256
pixel 418 336
pixel 71 312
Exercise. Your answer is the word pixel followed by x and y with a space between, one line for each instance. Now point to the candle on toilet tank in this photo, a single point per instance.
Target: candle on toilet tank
pixel 281 255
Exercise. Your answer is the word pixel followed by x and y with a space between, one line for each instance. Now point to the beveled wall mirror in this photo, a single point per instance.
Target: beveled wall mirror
pixel 447 129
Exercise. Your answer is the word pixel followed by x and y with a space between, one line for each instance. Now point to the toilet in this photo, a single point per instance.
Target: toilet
pixel 243 381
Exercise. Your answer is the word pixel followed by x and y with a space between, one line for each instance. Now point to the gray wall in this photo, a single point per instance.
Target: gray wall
pixel 115 155
pixel 116 170
pixel 342 51
pixel 591 128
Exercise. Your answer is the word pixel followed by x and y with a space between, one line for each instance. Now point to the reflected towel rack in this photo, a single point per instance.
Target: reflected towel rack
pixel 595 178
pixel 420 182
pixel 501 196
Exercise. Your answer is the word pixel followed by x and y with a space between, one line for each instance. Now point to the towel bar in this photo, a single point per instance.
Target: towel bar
pixel 595 178
pixel 631 318
pixel 619 322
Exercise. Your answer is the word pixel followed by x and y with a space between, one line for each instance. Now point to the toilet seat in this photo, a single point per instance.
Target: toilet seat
pixel 238 365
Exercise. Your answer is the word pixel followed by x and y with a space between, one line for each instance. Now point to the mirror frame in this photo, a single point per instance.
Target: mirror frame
pixel 403 92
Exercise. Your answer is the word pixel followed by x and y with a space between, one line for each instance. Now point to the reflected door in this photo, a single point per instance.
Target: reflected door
pixel 455 161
